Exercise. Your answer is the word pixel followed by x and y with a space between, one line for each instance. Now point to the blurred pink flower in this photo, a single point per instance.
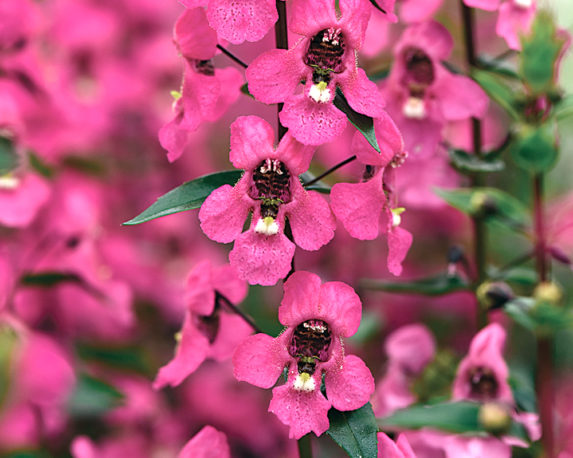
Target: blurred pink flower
pixel 207 443
pixel 317 317
pixel 271 189
pixel 208 330
pixel 387 448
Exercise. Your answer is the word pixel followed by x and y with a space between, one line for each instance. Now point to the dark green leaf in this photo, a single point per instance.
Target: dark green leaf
pixel 245 90
pixel 380 74
pixel 25 453
pixel 93 397
pixel 433 286
pixel 188 196
pixel 493 205
pixel 365 124
pixel 40 166
pixel 121 357
pixel 502 93
pixel 523 387
pixel 455 417
pixel 519 310
pixel 540 52
pixel 355 431
pixel 378 7
pixel 465 162
pixel 535 149
pixel 8 156
pixel 497 66
pixel 48 279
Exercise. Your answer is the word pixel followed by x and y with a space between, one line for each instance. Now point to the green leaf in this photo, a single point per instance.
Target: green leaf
pixel 8 157
pixel 564 108
pixel 245 90
pixel 355 431
pixel 48 279
pixel 540 53
pixel 519 310
pixel 471 163
pixel 493 205
pixel 433 286
pixel 535 149
pixel 121 357
pixel 93 397
pixel 188 196
pixel 365 124
pixel 455 417
pixel 502 93
pixel 497 66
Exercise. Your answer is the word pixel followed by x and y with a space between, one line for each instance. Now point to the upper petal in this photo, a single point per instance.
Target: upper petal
pixel 207 443
pixel 193 36
pixel 340 307
pixel 362 94
pixel 259 360
pixel 308 18
pixel 233 330
pixel 252 140
pixel 301 298
pixel 239 21
pixel 295 155
pixel 349 387
pixel 200 292
pixel 399 242
pixel 389 140
pixel 227 282
pixel 460 97
pixel 355 15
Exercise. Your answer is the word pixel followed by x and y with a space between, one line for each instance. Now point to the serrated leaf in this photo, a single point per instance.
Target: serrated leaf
pixel 355 431
pixel 455 417
pixel 540 52
pixel 465 162
pixel 8 157
pixel 364 124
pixel 494 205
pixel 188 196
pixel 93 397
pixel 535 149
pixel 432 286
pixel 501 92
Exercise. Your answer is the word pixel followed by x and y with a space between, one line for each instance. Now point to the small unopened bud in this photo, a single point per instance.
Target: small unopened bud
pixel 494 417
pixel 494 295
pixel 482 205
pixel 548 292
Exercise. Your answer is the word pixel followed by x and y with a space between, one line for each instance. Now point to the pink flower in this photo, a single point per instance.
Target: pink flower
pixel 22 195
pixel 360 206
pixel 236 22
pixel 422 94
pixel 317 318
pixel 387 448
pixel 209 331
pixel 514 18
pixel 207 443
pixel 482 374
pixel 206 92
pixel 324 59
pixel 271 189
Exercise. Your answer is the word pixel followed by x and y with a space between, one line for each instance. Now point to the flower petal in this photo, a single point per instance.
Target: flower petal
pixel 349 387
pixel 227 282
pixel 355 15
pixel 259 360
pixel 340 307
pixel 193 36
pixel 460 97
pixel 262 259
pixel 362 94
pixel 301 410
pixel 300 300
pixel 207 443
pixel 200 292
pixel 232 331
pixel 399 242
pixel 308 18
pixel 252 140
pixel 294 154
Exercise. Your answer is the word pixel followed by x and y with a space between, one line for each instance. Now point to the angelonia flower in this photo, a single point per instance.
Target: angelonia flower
pixel 317 316
pixel 482 375
pixel 422 94
pixel 207 443
pixel 209 331
pixel 206 92
pixel 306 76
pixel 271 190
pixel 362 206
pixel 514 18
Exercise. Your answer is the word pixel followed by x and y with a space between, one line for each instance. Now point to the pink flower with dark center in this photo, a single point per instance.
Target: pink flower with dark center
pixel 317 318
pixel 247 20
pixel 271 190
pixel 482 375
pixel 324 59
pixel 206 92
pixel 422 94
pixel 210 330
pixel 361 206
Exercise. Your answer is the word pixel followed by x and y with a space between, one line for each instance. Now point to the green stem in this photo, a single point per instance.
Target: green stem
pixel 477 180
pixel 305 447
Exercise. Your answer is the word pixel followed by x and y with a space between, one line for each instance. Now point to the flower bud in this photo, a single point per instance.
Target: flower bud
pixel 494 295
pixel 482 205
pixel 548 292
pixel 494 417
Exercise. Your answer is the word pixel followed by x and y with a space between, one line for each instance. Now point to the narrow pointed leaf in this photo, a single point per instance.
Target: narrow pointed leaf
pixel 432 286
pixel 378 7
pixel 188 196
pixel 501 92
pixel 354 431
pixel 93 397
pixel 465 162
pixel 365 124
